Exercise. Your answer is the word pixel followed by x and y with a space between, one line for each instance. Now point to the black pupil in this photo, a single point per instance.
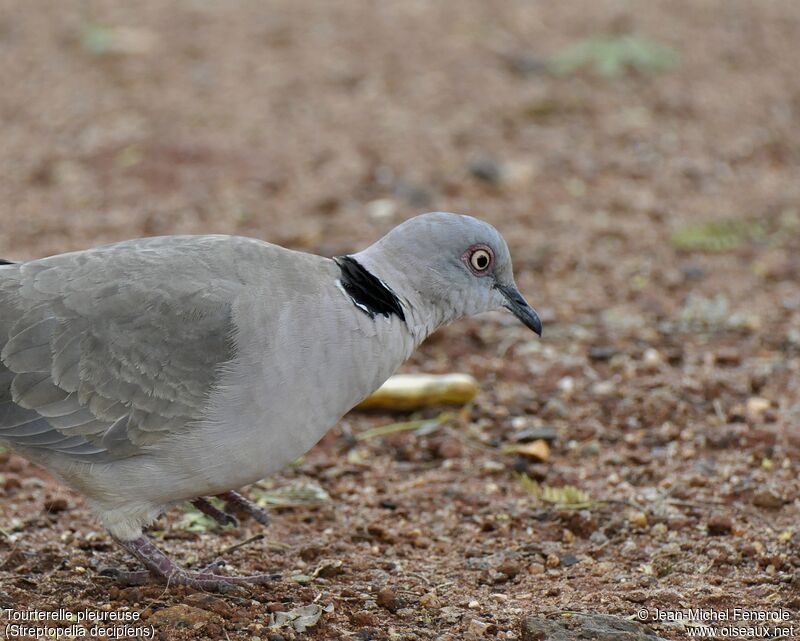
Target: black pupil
pixel 482 261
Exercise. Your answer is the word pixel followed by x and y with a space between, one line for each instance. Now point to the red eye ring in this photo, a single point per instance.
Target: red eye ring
pixel 479 259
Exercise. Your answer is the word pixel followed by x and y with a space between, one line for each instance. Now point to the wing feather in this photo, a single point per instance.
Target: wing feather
pixel 106 351
pixel 29 349
pixel 12 415
pixel 35 389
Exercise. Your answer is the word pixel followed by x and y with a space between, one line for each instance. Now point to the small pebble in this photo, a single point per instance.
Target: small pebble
pixel 487 169
pixel 756 407
pixel 752 549
pixel 568 560
pixel 478 627
pixel 388 599
pixel 727 356
pixel 720 525
pixel 652 358
pixel 768 498
pixel 449 448
pixel 567 385
pixel 598 537
pixel 430 601
pixel 604 388
pixel 509 568
pixel 207 602
pixel 450 614
pixel 638 520
pixel 600 353
pixel 363 618
pixel 552 561
pixel 55 504
pixel 131 595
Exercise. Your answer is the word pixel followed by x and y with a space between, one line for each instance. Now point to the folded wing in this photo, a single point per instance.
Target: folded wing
pixel 107 350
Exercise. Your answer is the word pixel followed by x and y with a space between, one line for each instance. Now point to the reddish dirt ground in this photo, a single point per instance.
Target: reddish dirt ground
pixel 654 219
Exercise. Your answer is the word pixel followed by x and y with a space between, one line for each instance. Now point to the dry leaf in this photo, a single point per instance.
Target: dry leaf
pixel 537 450
pixel 300 618
pixel 567 496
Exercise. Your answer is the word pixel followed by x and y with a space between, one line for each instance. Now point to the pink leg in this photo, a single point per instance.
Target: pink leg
pixel 163 569
pixel 143 577
pixel 235 502
pixel 209 509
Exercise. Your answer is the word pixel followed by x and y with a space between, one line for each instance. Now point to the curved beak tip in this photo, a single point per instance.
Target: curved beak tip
pixel 537 325
pixel 518 306
pixel 531 320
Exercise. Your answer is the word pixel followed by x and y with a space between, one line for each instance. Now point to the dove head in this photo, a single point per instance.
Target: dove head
pixel 447 266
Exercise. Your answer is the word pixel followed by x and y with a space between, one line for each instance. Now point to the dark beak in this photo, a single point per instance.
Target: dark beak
pixel 518 306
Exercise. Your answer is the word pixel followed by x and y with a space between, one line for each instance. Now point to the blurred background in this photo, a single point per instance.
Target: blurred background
pixel 641 158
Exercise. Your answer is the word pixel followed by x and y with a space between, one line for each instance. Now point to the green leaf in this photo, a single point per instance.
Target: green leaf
pixel 295 495
pixel 610 56
pixel 195 521
pixel 96 39
pixel 718 236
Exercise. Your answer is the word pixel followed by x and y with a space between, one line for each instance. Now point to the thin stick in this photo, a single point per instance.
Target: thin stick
pixel 241 544
pixel 406 426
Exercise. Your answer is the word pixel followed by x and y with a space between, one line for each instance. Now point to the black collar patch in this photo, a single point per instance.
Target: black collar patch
pixel 368 292
pixel 6 262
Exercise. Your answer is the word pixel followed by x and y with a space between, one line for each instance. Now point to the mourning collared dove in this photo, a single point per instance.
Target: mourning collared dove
pixel 156 371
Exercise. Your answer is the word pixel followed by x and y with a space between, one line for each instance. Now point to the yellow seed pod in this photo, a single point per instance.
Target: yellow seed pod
pixel 406 392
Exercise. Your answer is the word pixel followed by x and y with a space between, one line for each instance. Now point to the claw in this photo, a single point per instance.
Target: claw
pixel 214 565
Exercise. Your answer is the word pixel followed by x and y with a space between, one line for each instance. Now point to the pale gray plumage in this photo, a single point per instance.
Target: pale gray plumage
pixel 153 371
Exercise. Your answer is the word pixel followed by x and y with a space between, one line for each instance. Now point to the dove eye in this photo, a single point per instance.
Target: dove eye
pixel 479 259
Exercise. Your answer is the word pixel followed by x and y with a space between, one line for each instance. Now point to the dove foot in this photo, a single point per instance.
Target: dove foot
pixel 209 509
pixel 235 502
pixel 162 569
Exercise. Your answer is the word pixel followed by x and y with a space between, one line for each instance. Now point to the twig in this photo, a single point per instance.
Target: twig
pixel 406 426
pixel 241 544
pixel 447 584
pixel 698 504
pixel 718 411
pixel 421 577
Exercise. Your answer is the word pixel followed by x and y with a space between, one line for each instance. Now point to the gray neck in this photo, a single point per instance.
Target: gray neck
pixel 422 317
